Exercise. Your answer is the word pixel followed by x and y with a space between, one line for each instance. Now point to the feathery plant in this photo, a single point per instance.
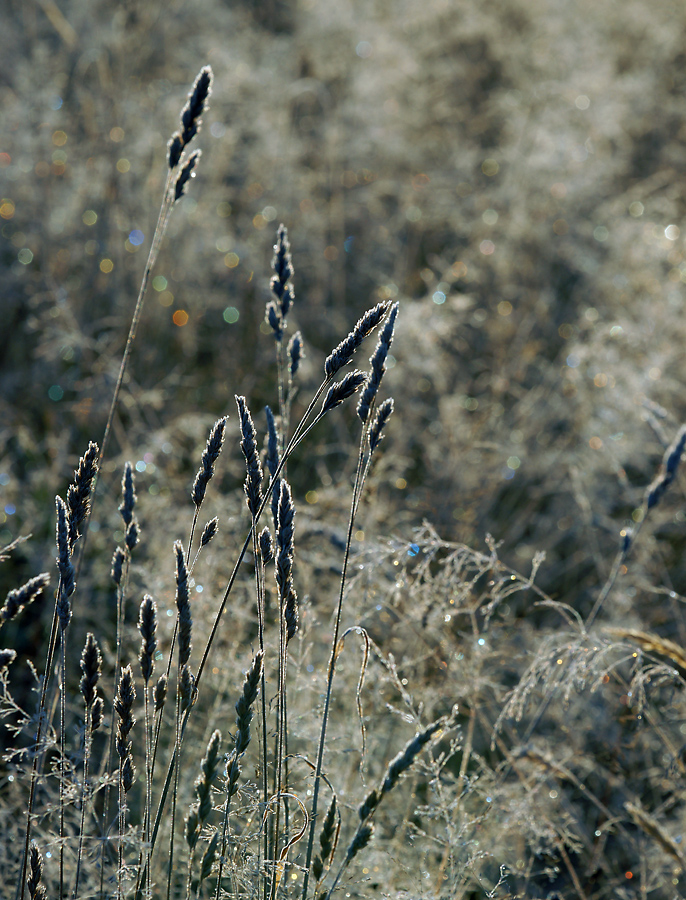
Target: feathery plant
pixel 108 830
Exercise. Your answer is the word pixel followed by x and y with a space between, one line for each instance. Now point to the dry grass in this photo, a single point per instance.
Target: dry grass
pixel 511 177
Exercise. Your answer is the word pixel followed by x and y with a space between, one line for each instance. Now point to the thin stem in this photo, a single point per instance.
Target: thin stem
pixel 160 228
pixel 108 761
pixel 360 476
pixel 63 676
pixel 261 612
pixel 176 755
pixel 280 728
pixel 122 828
pixel 38 752
pixel 281 391
pixel 88 742
pixel 148 770
pixel 620 559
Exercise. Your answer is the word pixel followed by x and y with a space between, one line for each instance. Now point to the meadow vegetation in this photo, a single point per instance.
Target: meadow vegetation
pixel 279 656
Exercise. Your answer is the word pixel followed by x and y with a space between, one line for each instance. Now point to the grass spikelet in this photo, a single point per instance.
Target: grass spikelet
pixel 670 463
pixel 285 532
pixel 199 813
pixel 402 762
pixel 343 353
pixel 132 535
pixel 186 688
pixel 20 597
pixel 369 804
pixel 328 838
pixel 64 564
pixel 295 353
pixel 209 531
pixel 382 416
pixel 290 612
pixel 278 308
pixel 209 858
pixel 341 390
pixel 399 764
pixel 253 481
pixel 79 492
pixel 97 713
pixel 127 507
pixel 185 174
pixel 183 605
pixel 118 559
pixel 147 626
pixel 208 770
pixel 192 831
pixel 210 455
pixel 191 115
pixel 91 667
pixel 362 837
pixel 244 715
pixel 378 366
pixel 160 695
pixel 34 881
pixel 128 493
pixel 266 546
pixel 123 706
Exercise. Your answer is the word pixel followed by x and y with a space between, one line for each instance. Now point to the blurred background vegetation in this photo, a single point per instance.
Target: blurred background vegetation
pixel 512 172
